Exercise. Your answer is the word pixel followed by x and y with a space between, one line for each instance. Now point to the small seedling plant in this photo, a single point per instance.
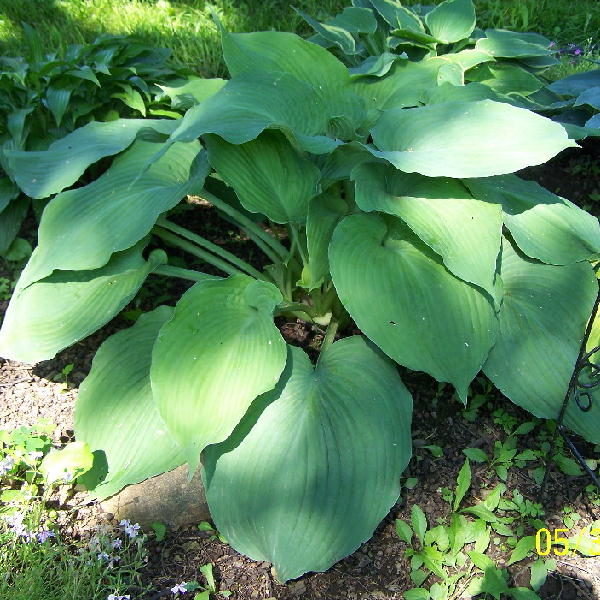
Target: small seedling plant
pixel 398 215
pixel 448 560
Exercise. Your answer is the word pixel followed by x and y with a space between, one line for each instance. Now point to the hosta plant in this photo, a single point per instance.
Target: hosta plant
pixel 43 97
pixel 377 38
pixel 408 222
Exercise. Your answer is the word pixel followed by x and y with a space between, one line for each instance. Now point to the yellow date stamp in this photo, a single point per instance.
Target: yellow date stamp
pixel 560 543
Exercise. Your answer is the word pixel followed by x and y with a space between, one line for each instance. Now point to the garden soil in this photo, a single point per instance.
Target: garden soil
pixel 378 569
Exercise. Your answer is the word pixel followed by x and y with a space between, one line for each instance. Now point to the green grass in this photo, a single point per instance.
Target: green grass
pixel 186 27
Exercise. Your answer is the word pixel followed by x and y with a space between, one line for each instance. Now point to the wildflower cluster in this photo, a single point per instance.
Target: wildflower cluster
pixel 106 548
pixel 18 528
pixel 129 529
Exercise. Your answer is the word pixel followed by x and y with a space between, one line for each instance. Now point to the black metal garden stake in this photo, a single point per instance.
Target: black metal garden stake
pixel 581 392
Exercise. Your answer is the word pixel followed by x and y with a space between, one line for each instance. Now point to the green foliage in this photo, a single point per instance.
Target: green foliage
pixel 455 549
pixel 386 200
pixel 37 562
pixel 43 97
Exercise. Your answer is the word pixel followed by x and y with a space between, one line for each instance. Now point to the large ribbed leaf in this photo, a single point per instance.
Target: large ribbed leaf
pixel 249 104
pixel 116 413
pixel 403 86
pixel 324 213
pixel 544 225
pixel 467 139
pixel 505 78
pixel 397 16
pixel 355 19
pixel 184 94
pixel 40 174
pixel 452 20
pixel 576 84
pixel 268 174
pixel 334 33
pixel 272 51
pixel 82 228
pixel 219 352
pixel 314 465
pixel 404 299
pixel 542 323
pixel 339 164
pixel 465 232
pixel 512 44
pixel 65 307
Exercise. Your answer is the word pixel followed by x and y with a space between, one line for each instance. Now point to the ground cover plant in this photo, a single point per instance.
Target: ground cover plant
pixel 37 561
pixel 402 214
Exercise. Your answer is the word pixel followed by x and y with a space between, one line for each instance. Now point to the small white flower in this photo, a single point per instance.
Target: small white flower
pixel 132 530
pixel 180 587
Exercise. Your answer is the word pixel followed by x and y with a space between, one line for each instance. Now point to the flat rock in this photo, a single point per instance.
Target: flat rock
pixel 167 498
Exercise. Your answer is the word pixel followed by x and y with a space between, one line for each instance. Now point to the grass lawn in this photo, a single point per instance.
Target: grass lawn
pixel 186 26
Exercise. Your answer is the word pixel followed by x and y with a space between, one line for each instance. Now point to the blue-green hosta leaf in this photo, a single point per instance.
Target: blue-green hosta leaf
pixel 116 413
pixel 65 307
pixel 447 92
pixel 576 84
pixel 594 122
pixel 397 16
pixel 542 323
pixel 268 174
pixel 543 225
pixel 511 44
pixel 466 59
pixel 82 228
pixel 404 299
pixel 355 19
pixel 466 139
pixel 419 39
pixel 403 86
pixel 277 51
pixel 464 231
pixel 57 101
pixel 8 191
pixel 11 219
pixel 339 164
pixel 220 350
pixel 41 174
pixel 452 67
pixel 324 213
pixel 249 104
pixel 377 66
pixel 452 20
pixel 333 33
pixel 189 92
pixel 591 97
pixel 131 98
pixel 314 466
pixel 505 78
